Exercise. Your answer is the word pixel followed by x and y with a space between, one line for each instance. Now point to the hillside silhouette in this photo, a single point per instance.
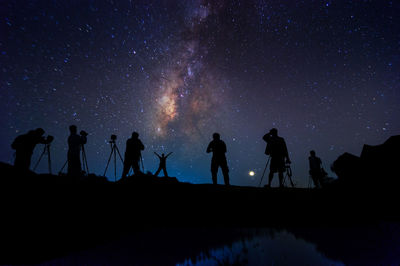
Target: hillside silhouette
pixel 47 216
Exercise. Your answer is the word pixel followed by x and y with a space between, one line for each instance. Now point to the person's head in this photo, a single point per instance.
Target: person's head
pixel 162 154
pixel 216 136
pixel 135 135
pixel 312 153
pixel 39 132
pixel 73 129
pixel 273 132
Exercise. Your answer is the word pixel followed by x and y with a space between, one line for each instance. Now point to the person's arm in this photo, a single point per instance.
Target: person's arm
pixel 224 146
pixel 157 155
pixel 266 137
pixel 209 148
pixel 168 155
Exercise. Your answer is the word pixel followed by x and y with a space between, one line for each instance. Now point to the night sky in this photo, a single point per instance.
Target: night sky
pixel 325 73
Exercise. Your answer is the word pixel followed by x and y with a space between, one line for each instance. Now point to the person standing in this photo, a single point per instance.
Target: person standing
pixel 276 148
pixel 24 146
pixel 218 148
pixel 163 163
pixel 316 170
pixel 75 143
pixel 133 154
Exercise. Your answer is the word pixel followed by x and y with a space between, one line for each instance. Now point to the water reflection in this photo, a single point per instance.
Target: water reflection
pixel 361 245
pixel 281 248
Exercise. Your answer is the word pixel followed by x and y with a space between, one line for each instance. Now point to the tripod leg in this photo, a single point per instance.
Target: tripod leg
pixel 86 163
pixel 108 162
pixel 291 181
pixel 49 158
pixel 40 158
pixel 62 168
pixel 119 154
pixel 115 164
pixel 141 160
pixel 262 177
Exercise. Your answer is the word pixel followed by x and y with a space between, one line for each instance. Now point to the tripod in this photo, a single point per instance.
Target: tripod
pixel 84 162
pixel 141 160
pixel 46 151
pixel 310 182
pixel 266 165
pixel 114 150
pixel 288 176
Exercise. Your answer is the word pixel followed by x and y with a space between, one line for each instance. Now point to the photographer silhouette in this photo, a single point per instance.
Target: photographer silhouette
pixel 24 146
pixel 75 144
pixel 277 150
pixel 46 150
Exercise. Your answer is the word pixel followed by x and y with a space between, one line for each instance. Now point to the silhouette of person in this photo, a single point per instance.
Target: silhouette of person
pixel 75 143
pixel 134 146
pixel 276 148
pixel 24 146
pixel 316 171
pixel 218 148
pixel 163 164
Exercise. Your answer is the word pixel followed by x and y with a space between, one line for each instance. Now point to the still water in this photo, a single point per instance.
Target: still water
pixel 377 244
pixel 280 248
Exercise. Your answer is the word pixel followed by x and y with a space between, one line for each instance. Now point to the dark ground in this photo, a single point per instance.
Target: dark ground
pixel 45 216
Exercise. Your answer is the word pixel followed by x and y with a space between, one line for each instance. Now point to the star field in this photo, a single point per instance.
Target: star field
pixel 325 73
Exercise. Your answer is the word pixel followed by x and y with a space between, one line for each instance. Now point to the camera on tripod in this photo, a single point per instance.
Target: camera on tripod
pixel 83 133
pixel 49 139
pixel 113 138
pixel 46 151
pixel 114 151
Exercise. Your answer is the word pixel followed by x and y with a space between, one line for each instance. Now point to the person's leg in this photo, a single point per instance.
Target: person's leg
pixel 22 161
pixel 158 171
pixel 280 179
pixel 214 171
pixel 17 160
pixel 214 177
pixel 78 165
pixel 74 165
pixel 319 179
pixel 127 166
pixel 28 162
pixel 70 166
pixel 225 172
pixel 165 171
pixel 136 168
pixel 270 177
pixel 314 179
pixel 272 170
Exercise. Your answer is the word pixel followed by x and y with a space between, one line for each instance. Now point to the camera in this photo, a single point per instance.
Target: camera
pixel 83 133
pixel 49 139
pixel 113 138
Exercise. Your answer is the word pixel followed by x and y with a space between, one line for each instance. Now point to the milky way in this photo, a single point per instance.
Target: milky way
pixel 187 89
pixel 325 73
